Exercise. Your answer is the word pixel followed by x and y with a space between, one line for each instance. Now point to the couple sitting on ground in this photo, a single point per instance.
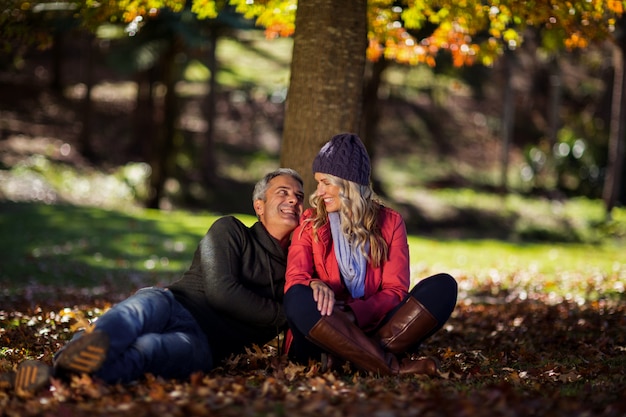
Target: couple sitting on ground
pixel 336 277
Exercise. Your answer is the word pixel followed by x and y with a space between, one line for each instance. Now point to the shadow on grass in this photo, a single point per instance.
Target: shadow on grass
pixel 464 224
pixel 473 223
pixel 62 246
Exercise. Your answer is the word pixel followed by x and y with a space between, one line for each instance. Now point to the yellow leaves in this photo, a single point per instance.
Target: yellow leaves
pixel 293 370
pixel 449 353
pixel 413 18
pixel 510 35
pixel 80 321
pixel 456 22
pixel 204 9
pixel 78 318
pixel 132 9
pixel 577 23
pixel 276 16
pixel 440 16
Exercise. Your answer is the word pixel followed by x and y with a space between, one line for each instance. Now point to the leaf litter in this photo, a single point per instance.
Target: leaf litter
pixel 521 357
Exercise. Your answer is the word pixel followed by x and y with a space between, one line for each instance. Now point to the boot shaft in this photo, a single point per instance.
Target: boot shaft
pixel 341 337
pixel 407 327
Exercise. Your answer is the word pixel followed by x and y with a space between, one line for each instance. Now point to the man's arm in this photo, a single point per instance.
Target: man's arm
pixel 222 250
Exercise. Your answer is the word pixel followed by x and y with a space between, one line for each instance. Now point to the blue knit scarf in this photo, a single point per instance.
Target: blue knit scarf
pixel 352 263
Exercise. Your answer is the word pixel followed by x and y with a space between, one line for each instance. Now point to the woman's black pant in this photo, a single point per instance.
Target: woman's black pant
pixel 437 293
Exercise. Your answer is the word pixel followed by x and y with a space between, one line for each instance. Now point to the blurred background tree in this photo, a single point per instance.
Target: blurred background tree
pixel 343 55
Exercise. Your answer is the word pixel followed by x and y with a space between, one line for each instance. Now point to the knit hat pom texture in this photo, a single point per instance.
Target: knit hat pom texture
pixel 344 156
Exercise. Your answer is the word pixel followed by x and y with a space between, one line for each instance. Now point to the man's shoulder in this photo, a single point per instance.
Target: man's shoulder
pixel 228 225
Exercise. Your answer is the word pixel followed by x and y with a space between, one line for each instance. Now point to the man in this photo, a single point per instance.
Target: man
pixel 229 298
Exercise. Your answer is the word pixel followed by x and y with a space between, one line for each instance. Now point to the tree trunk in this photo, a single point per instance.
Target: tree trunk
pixel 508 118
pixel 617 135
pixel 87 108
pixel 326 85
pixel 209 161
pixel 58 55
pixel 163 149
pixel 144 115
pixel 371 114
pixel 554 120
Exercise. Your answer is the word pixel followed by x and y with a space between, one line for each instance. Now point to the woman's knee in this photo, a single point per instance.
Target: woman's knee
pixel 440 283
pixel 301 308
pixel 438 293
pixel 449 282
pixel 296 298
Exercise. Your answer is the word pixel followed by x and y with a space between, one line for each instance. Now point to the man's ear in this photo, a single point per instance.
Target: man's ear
pixel 258 207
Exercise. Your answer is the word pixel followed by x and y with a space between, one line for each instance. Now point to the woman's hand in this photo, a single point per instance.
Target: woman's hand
pixel 324 296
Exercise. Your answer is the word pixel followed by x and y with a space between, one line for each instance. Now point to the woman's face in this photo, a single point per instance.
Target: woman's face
pixel 328 192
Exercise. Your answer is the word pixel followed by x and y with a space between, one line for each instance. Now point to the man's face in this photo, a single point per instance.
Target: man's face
pixel 281 210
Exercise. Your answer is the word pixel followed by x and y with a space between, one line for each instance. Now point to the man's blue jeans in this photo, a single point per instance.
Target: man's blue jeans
pixel 151 332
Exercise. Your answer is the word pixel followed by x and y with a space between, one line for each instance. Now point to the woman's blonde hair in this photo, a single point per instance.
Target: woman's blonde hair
pixel 359 218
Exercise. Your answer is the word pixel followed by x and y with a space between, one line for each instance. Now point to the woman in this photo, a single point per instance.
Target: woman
pixel 348 275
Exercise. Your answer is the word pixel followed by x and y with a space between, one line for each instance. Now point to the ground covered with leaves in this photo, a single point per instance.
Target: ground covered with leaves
pixel 517 352
pixel 500 355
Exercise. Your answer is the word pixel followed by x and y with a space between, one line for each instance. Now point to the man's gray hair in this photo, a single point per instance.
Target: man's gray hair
pixel 261 187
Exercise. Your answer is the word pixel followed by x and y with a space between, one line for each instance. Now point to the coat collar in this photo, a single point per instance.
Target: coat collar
pixel 273 247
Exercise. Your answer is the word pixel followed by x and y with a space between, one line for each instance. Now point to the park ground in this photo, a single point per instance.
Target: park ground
pixel 539 329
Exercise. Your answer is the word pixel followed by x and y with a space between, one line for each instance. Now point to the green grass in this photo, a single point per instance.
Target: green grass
pixel 249 62
pixel 62 245
pixel 514 216
pixel 535 322
pixel 65 245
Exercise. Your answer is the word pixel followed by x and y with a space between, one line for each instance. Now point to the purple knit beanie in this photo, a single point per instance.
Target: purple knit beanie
pixel 344 156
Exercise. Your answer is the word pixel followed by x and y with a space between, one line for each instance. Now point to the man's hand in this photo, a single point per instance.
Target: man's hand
pixel 324 296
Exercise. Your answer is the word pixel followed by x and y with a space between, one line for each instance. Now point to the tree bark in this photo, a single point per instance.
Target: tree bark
pixel 58 55
pixel 209 161
pixel 617 135
pixel 86 146
pixel 144 115
pixel 554 119
pixel 163 147
pixel 371 114
pixel 508 119
pixel 326 85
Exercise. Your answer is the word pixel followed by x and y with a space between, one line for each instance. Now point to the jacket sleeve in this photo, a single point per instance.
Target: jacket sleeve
pixel 221 253
pixel 394 277
pixel 300 264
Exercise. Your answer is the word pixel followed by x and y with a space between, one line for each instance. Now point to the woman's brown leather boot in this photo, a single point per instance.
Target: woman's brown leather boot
pixel 340 336
pixel 406 327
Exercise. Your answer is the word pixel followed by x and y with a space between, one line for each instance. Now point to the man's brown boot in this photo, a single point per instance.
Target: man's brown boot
pixel 31 376
pixel 85 354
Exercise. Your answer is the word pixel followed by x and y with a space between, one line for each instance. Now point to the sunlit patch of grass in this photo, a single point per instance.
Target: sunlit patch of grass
pixel 82 246
pixel 574 272
pixel 41 178
pixel 264 64
pixel 449 194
